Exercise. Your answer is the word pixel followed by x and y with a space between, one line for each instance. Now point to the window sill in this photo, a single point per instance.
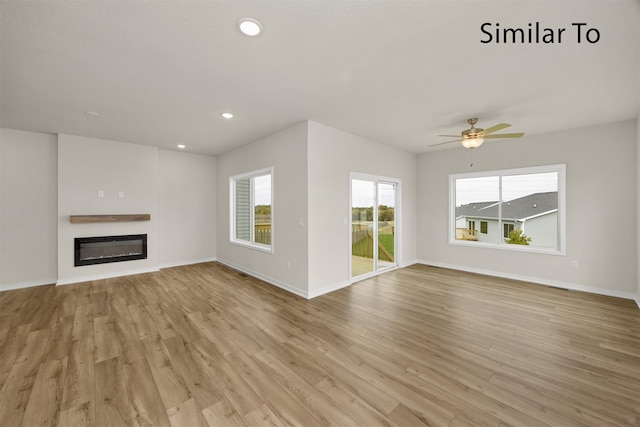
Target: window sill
pixel 257 246
pixel 508 247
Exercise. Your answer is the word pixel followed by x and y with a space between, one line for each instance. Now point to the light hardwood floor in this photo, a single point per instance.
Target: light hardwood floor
pixel 205 345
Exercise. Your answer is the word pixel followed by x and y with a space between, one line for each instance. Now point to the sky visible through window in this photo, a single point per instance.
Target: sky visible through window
pixel 486 189
pixel 262 187
pixel 362 194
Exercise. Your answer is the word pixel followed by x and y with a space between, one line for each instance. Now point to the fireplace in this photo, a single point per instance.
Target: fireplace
pixel 105 249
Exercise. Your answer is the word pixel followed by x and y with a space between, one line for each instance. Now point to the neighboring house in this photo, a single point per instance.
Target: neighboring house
pixel 536 215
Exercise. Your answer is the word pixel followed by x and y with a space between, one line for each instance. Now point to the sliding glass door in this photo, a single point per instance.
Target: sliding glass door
pixel 363 203
pixel 386 225
pixel 373 224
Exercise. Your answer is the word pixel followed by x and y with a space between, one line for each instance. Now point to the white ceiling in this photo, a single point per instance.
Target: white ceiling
pixel 399 72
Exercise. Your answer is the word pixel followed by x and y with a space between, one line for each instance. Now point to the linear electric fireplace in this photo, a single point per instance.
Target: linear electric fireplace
pixel 105 249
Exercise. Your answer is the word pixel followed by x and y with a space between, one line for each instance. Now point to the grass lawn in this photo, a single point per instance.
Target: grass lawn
pixel 363 247
pixel 387 242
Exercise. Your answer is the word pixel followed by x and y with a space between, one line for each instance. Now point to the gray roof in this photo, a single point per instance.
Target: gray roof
pixel 516 209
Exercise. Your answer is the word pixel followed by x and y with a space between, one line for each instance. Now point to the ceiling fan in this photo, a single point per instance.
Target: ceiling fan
pixel 474 137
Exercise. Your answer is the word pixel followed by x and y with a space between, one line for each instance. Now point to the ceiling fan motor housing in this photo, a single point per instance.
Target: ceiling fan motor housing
pixel 472 133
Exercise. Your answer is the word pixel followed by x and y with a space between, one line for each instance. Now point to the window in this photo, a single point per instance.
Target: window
pixel 484 227
pixel 252 209
pixel 518 209
pixel 508 228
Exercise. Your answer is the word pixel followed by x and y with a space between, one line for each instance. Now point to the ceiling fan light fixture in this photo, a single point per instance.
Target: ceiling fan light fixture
pixel 472 143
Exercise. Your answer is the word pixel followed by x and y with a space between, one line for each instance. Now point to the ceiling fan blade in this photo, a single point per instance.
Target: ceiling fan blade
pixel 446 142
pixel 451 136
pixel 496 128
pixel 504 135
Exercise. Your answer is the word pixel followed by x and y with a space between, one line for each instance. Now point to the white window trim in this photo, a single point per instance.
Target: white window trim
pixel 561 248
pixel 232 206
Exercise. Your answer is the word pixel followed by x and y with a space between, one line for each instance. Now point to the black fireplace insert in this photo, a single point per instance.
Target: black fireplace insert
pixel 105 249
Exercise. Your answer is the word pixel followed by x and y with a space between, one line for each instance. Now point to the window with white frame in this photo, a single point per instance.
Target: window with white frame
pixel 520 209
pixel 252 209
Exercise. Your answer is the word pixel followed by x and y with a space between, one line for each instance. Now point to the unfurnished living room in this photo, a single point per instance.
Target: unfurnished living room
pixel 313 213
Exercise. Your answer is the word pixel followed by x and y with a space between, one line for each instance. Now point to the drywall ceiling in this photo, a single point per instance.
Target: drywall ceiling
pixel 398 72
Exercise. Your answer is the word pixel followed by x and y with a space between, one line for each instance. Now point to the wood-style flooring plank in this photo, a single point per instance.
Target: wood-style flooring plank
pixel 171 386
pixel 144 397
pixel 111 403
pixel 234 387
pixel 12 344
pixel 25 367
pixel 280 402
pixel 126 335
pixel 263 417
pixel 222 413
pixel 317 404
pixel 81 415
pixel 13 405
pixel 44 406
pixel 206 345
pixel 187 414
pixel 201 383
pixel 79 381
pixel 104 338
pixel 60 339
pixel 358 410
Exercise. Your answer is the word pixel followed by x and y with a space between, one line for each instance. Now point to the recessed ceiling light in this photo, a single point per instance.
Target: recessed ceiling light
pixel 91 114
pixel 227 115
pixel 249 27
pixel 181 146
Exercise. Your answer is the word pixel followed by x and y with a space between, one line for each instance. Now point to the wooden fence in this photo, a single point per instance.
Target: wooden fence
pixel 466 234
pixel 362 244
pixel 263 233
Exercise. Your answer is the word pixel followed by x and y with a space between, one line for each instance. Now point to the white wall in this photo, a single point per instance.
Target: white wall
pixel 638 210
pixel 312 164
pixel 286 152
pixel 638 193
pixel 332 155
pixel 601 198
pixel 88 165
pixel 186 208
pixel 28 209
pixel 40 189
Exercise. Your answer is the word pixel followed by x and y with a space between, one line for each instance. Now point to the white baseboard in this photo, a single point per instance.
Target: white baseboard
pixel 331 288
pixel 80 279
pixel 55 281
pixel 408 263
pixel 538 280
pixel 328 289
pixel 269 280
pixel 31 284
pixel 186 262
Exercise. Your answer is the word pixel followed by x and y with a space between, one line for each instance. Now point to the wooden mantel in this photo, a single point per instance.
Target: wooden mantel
pixel 80 219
